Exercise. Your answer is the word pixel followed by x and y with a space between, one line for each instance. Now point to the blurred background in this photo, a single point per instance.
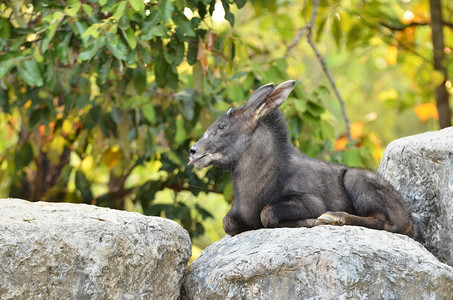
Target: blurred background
pixel 101 100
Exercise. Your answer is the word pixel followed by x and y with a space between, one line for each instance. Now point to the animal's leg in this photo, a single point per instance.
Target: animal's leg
pixel 343 218
pixel 291 212
pixel 232 225
pixel 376 203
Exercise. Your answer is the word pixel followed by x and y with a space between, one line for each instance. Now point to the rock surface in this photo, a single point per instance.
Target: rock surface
pixel 323 262
pixel 421 169
pixel 77 251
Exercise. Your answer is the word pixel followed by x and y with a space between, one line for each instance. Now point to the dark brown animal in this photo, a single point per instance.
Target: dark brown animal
pixel 277 186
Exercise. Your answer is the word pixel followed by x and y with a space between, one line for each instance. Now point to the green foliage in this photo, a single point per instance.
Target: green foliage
pixel 101 100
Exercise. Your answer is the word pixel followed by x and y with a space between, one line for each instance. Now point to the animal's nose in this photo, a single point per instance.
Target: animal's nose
pixel 193 151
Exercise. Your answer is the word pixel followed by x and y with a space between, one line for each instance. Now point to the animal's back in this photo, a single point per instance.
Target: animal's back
pixel 320 178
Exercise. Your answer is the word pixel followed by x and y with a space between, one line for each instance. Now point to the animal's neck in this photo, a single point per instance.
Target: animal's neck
pixel 258 171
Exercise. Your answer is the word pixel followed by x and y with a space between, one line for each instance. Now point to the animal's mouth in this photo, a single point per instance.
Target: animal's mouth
pixel 194 160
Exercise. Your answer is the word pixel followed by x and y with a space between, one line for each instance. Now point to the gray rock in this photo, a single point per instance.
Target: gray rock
pixel 421 169
pixel 77 251
pixel 323 262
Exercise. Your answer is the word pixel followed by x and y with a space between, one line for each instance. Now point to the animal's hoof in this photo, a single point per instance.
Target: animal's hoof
pixel 330 218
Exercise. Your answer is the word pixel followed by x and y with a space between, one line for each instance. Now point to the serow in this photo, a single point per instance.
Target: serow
pixel 275 185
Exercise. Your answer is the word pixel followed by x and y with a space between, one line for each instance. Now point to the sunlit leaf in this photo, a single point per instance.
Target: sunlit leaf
pixel 357 130
pixel 149 112
pixel 426 111
pixel 180 135
pixel 112 157
pixel 120 10
pixel 130 37
pixel 55 149
pixel 57 17
pixel 137 5
pixel 72 9
pixel 391 55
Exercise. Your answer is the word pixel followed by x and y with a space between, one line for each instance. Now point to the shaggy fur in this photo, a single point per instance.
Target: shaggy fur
pixel 277 186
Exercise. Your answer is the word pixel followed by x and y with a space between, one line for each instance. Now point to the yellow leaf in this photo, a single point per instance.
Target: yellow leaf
pixel 87 164
pixel 67 127
pixel 356 130
pixel 112 157
pixel 426 111
pixel 55 149
pixel 341 142
pixel 391 55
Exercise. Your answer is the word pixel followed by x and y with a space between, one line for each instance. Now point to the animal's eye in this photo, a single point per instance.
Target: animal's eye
pixel 222 126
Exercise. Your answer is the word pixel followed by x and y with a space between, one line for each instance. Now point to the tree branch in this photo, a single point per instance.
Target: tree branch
pixel 332 83
pixel 304 29
pixel 307 30
pixel 404 26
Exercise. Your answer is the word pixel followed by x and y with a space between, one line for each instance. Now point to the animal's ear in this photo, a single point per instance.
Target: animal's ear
pixel 260 95
pixel 275 99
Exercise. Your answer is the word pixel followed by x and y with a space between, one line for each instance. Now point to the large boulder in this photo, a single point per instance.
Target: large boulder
pixel 77 251
pixel 323 262
pixel 421 169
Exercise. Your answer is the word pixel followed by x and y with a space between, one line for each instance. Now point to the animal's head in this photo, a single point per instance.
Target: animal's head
pixel 229 136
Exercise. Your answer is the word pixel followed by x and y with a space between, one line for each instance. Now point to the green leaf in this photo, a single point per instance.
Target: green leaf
pixel 352 157
pixel 188 98
pixel 83 186
pixel 284 26
pixel 92 30
pixel 23 156
pixel 120 10
pixel 136 101
pixel 181 134
pixel 5 28
pixel 315 109
pixel 175 51
pixel 88 10
pixel 104 71
pixel 183 23
pixel 51 30
pixel 92 117
pixel 4 101
pixel 149 24
pixel 336 30
pixel 118 48
pixel 149 112
pixel 31 73
pixel 166 10
pixel 130 37
pixel 139 78
pixel 72 9
pixel 192 52
pixel 228 15
pixel 301 105
pixel 137 5
pixel 240 3
pixel 5 66
pixel 160 30
pixel 62 48
pixel 92 49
